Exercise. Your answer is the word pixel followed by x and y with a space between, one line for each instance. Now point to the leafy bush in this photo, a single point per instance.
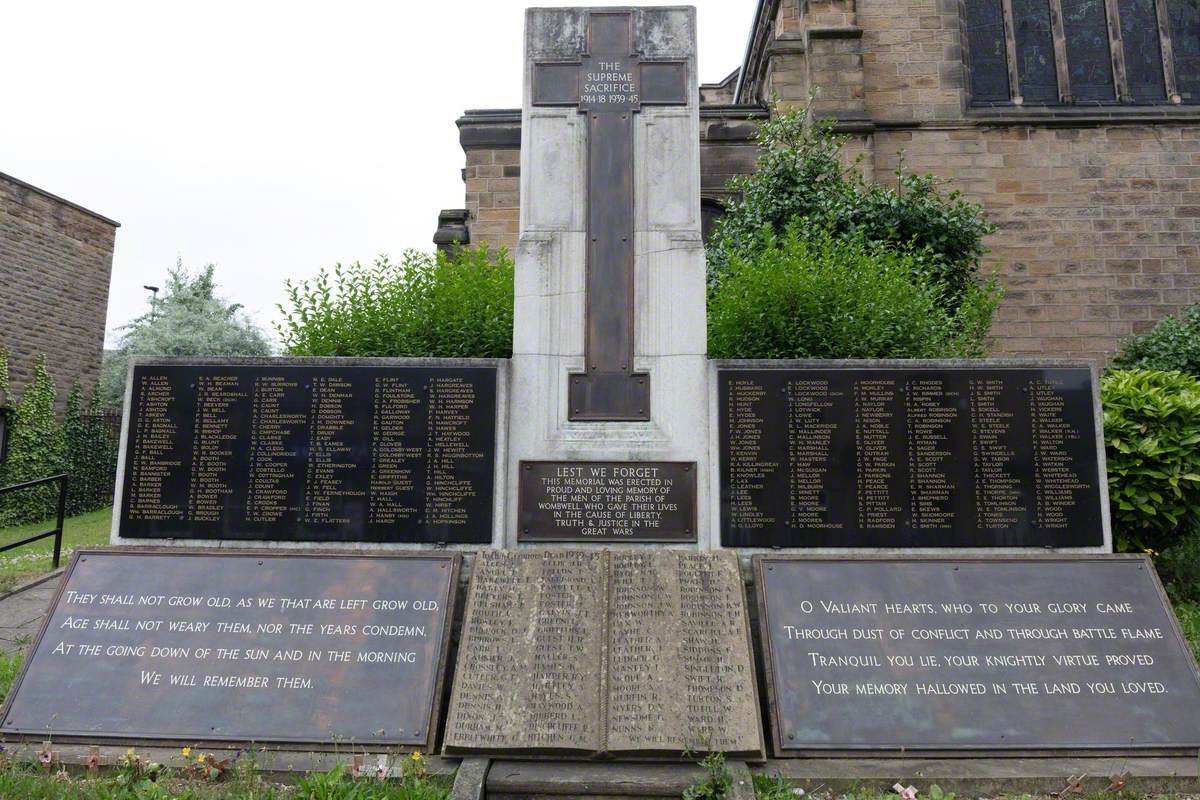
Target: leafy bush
pixel 189 320
pixel 1179 567
pixel 90 454
pixel 1173 344
pixel 35 450
pixel 459 305
pixel 802 174
pixel 1152 433
pixel 805 296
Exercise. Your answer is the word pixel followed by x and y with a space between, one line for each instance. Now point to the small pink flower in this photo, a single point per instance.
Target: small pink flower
pixel 905 792
pixel 45 757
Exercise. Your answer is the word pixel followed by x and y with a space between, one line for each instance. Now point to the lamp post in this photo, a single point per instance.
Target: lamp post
pixel 153 290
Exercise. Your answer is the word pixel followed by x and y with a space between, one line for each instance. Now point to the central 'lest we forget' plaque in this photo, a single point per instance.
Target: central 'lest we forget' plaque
pixel 241 647
pixel 927 654
pixel 607 501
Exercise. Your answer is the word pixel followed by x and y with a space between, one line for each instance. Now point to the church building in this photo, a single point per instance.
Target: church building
pixel 1075 123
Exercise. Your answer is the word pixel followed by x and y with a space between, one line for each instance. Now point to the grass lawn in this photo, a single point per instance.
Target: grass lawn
pixel 35 559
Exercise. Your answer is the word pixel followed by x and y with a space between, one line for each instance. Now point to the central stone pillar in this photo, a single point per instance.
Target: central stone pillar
pixel 593 77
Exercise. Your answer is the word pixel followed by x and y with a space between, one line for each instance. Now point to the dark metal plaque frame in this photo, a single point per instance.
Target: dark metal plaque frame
pixel 433 722
pixel 235 523
pixel 759 562
pixel 527 496
pixel 1091 534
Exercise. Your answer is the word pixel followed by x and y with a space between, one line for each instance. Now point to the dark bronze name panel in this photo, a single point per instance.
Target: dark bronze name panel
pixel 607 501
pixel 241 647
pixel 312 453
pixel 1064 653
pixel 912 457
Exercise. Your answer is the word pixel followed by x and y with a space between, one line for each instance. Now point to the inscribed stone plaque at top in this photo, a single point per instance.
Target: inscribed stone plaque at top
pixel 604 653
pixel 986 456
pixel 1063 653
pixel 311 453
pixel 240 647
pixel 606 501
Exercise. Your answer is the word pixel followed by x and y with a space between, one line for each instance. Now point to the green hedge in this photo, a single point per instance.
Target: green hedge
pixel 1152 433
pixel 432 305
pixel 817 295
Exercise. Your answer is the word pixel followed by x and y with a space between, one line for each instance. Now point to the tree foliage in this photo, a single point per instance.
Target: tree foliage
pixel 802 175
pixel 428 304
pixel 189 320
pixel 820 296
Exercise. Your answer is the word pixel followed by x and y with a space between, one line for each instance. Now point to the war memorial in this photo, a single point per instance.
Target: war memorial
pixel 591 561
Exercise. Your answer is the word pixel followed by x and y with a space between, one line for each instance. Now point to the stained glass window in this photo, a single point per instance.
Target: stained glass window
pixel 989 60
pixel 1143 52
pixel 1035 51
pixel 1089 62
pixel 1185 42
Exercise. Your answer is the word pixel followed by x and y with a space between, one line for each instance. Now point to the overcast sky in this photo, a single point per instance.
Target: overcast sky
pixel 268 138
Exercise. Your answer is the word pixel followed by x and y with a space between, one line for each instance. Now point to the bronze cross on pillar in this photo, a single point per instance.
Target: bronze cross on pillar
pixel 610 83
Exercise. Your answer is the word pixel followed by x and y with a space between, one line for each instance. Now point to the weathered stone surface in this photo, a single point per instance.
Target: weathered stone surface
pixel 605 652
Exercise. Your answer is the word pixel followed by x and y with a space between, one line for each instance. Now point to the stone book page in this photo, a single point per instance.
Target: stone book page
pixel 605 653
pixel 529 661
pixel 680 674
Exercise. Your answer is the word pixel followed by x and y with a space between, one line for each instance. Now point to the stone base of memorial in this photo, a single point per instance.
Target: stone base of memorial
pixel 386 453
pixel 303 651
pixel 996 456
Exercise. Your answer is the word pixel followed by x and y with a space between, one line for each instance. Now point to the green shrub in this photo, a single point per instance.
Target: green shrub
pixel 90 454
pixel 1179 567
pixel 35 450
pixel 427 305
pixel 802 174
pixel 805 296
pixel 1173 345
pixel 1152 433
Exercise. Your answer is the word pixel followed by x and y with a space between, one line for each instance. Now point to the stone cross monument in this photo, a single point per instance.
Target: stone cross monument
pixel 609 341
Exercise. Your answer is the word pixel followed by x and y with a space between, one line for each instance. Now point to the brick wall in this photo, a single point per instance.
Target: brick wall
pixel 1099 227
pixel 55 267
pixel 493 184
pixel 1098 209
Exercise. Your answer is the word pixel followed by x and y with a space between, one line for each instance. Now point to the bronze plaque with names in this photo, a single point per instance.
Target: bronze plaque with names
pixel 606 501
pixel 291 648
pixel 1062 653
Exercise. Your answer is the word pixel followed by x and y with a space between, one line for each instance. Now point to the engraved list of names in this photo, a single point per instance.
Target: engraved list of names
pixel 604 652
pixel 909 457
pixel 312 453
